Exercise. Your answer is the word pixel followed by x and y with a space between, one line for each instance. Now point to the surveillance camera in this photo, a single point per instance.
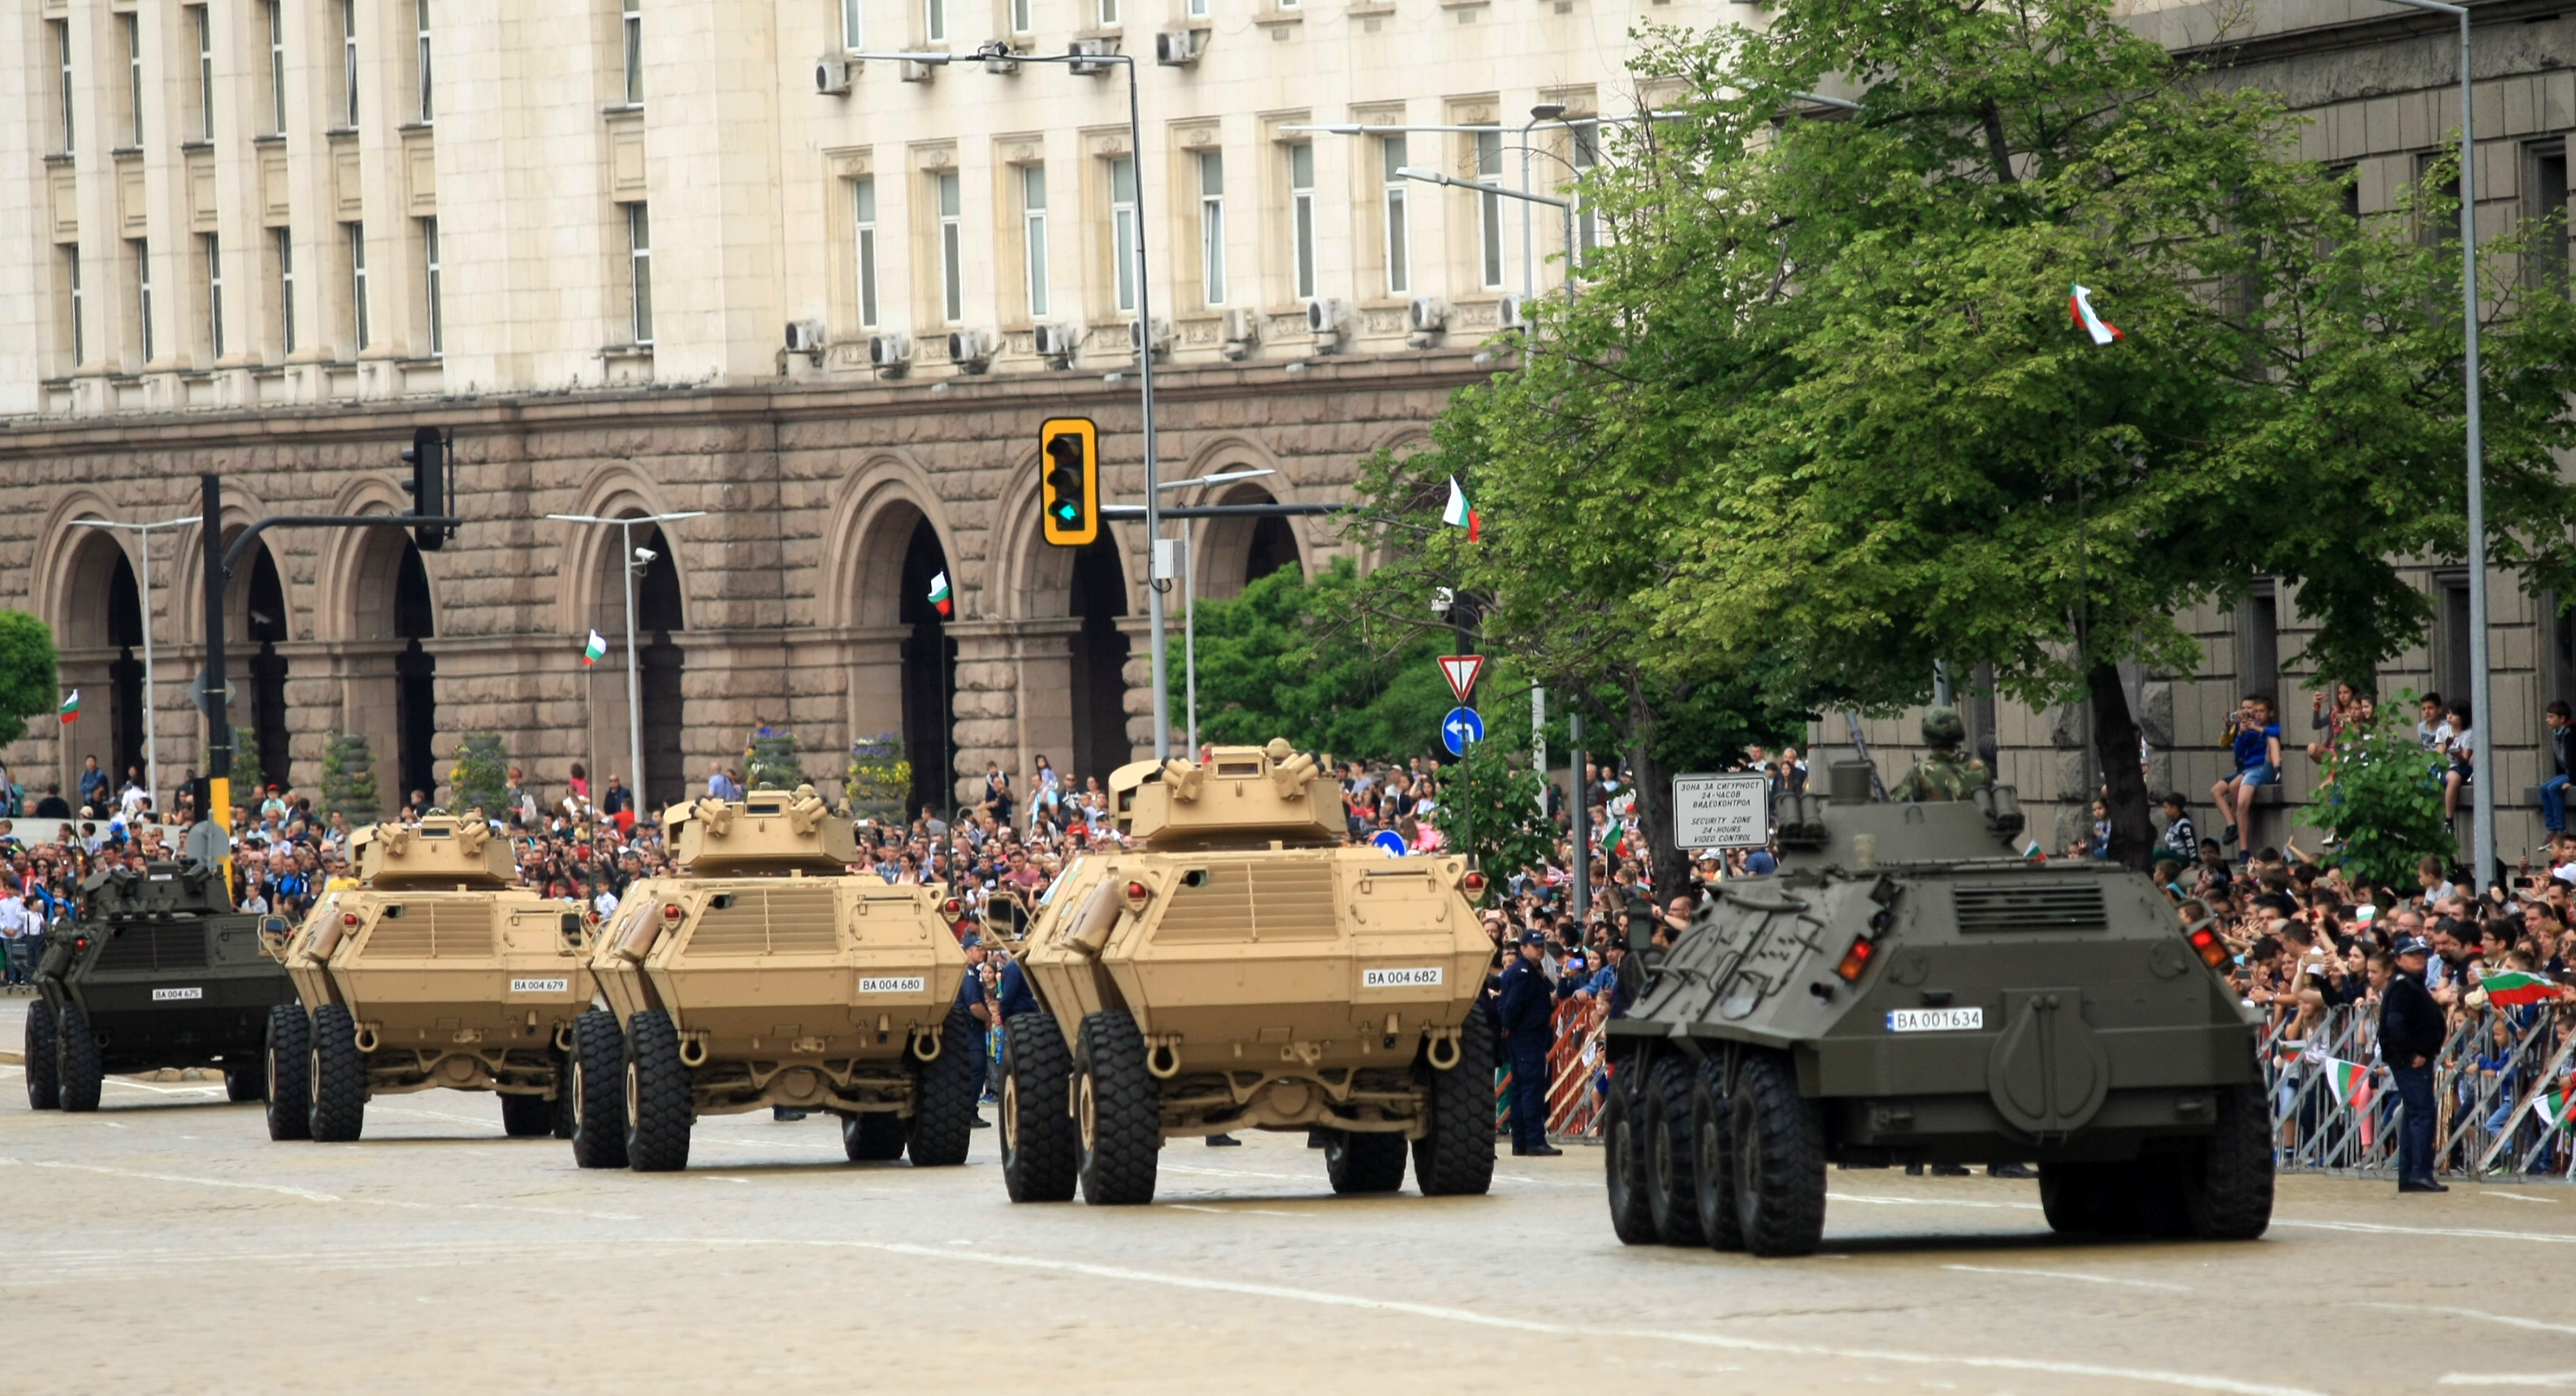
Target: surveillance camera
pixel 645 554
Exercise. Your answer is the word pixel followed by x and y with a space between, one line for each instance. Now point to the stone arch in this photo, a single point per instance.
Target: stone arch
pixel 358 569
pixel 583 599
pixel 65 558
pixel 89 592
pixel 1032 578
pixel 875 510
pixel 187 589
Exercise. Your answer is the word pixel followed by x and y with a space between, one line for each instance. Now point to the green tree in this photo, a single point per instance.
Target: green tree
pixel 2384 806
pixel 349 779
pixel 1300 659
pixel 1489 807
pixel 248 778
pixel 482 773
pixel 27 678
pixel 770 762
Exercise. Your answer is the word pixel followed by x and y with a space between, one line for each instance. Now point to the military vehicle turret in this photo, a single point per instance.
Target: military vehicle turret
pixel 766 975
pixel 1240 970
pixel 158 972
pixel 1909 989
pixel 440 969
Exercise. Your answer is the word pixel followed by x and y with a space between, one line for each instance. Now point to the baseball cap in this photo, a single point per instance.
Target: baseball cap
pixel 1533 937
pixel 2413 945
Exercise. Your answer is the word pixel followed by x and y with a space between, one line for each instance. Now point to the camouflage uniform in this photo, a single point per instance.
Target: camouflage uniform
pixel 1943 773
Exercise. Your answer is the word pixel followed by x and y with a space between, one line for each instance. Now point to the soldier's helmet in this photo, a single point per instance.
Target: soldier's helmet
pixel 1942 727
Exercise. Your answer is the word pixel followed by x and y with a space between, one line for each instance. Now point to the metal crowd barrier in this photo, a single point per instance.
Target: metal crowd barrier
pixel 2496 1085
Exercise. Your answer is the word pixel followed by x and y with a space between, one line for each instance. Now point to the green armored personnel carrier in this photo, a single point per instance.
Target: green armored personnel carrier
pixel 158 972
pixel 1908 989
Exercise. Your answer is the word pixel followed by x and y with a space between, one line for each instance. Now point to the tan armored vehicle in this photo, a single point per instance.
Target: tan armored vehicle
pixel 439 969
pixel 768 976
pixel 1240 971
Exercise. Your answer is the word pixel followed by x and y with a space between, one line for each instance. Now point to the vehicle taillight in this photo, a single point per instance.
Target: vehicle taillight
pixel 952 906
pixel 1855 959
pixel 670 911
pixel 81 944
pixel 1137 894
pixel 348 918
pixel 2212 950
pixel 1474 882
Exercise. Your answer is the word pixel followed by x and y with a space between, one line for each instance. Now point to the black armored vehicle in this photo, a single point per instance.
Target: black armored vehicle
pixel 159 971
pixel 1909 989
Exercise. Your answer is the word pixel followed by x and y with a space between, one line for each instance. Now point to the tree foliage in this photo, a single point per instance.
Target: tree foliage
pixel 1488 806
pixel 1294 658
pixel 481 777
pixel 27 676
pixel 349 778
pixel 2384 805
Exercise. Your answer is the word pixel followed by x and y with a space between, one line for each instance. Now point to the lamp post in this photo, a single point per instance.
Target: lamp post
pixel 630 563
pixel 1189 594
pixel 151 739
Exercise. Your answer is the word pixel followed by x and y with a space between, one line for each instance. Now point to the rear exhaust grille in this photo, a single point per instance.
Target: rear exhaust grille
pixel 2031 906
pixel 145 948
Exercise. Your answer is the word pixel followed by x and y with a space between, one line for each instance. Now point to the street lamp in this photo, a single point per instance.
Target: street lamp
pixel 1564 206
pixel 1189 593
pixel 633 559
pixel 994 51
pixel 151 742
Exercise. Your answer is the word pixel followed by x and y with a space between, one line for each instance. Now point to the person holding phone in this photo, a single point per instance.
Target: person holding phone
pixel 2255 739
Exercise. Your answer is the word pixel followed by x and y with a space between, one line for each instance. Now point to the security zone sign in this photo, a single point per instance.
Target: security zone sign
pixel 1732 810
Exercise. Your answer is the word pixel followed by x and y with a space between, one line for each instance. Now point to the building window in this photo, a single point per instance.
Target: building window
pixel 853 32
pixel 1489 208
pixel 934 20
pixel 1021 20
pixel 1399 244
pixel 211 248
pixel 952 251
pixel 420 24
pixel 277 66
pixel 141 252
pixel 358 284
pixel 863 194
pixel 1198 9
pixel 1212 226
pixel 72 281
pixel 1033 227
pixel 282 240
pixel 205 74
pixel 634 31
pixel 1301 216
pixel 63 76
pixel 349 64
pixel 133 80
pixel 1587 154
pixel 1123 229
pixel 429 281
pixel 1108 14
pixel 639 262
pixel 2544 191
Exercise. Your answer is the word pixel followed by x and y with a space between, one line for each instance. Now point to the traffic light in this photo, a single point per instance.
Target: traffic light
pixel 1069 482
pixel 428 486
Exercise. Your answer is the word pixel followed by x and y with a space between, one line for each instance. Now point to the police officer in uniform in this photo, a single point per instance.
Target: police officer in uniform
pixel 1944 773
pixel 972 996
pixel 1528 1011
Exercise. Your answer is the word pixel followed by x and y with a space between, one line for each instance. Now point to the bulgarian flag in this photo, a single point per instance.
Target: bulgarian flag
pixel 594 650
pixel 1612 831
pixel 939 594
pixel 69 709
pixel 2350 1082
pixel 1458 515
pixel 2081 305
pixel 2512 988
pixel 2551 1107
pixel 2032 853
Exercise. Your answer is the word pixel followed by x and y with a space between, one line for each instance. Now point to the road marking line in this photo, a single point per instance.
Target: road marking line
pixel 1522 1324
pixel 2464 1232
pixel 2514 1197
pixel 2508 1379
pixel 1929 1202
pixel 307 1194
pixel 1232 1211
pixel 2508 1320
pixel 2069 1275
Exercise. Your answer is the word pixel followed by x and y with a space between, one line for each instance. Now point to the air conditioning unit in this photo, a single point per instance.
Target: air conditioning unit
pixel 1241 332
pixel 1511 313
pixel 805 337
pixel 1427 315
pixel 832 76
pixel 1003 65
pixel 1324 321
pixel 1085 54
pixel 1157 336
pixel 918 72
pixel 1179 48
pixel 970 350
pixel 891 354
pixel 1053 343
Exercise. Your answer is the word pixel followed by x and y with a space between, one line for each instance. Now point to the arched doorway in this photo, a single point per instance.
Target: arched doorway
pixel 1099 598
pixel 659 668
pixel 101 638
pixel 415 675
pixel 929 676
pixel 255 620
pixel 1234 553
pixel 126 695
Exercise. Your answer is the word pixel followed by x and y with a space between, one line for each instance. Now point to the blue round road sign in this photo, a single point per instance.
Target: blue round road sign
pixel 1391 841
pixel 1459 728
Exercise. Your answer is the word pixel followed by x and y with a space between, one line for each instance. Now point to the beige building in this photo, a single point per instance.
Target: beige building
pixel 644 256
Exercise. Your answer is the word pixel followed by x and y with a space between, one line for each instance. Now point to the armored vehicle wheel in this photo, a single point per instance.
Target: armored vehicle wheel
pixel 943 1094
pixel 77 1061
pixel 873 1137
pixel 561 1107
pixel 1455 1155
pixel 658 1105
pixel 2227 1189
pixel 1363 1162
pixel 598 1091
pixel 1623 1159
pixel 527 1116
pixel 1671 1198
pixel 246 1081
pixel 2073 1195
pixel 1120 1110
pixel 290 1072
pixel 339 1076
pixel 1779 1140
pixel 44 1069
pixel 1712 1160
pixel 1037 1130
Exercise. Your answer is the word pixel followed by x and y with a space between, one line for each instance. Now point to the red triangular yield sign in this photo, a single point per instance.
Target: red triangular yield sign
pixel 1461 670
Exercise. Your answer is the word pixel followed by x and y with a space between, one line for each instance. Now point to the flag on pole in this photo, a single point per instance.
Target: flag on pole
pixel 2511 988
pixel 2081 304
pixel 2350 1082
pixel 2551 1107
pixel 69 711
pixel 1612 831
pixel 939 594
pixel 1458 515
pixel 595 650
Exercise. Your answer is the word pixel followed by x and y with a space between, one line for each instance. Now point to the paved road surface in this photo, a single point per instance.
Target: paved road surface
pixel 164 1243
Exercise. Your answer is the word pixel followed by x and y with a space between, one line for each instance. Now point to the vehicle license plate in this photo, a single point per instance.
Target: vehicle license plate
pixel 541 986
pixel 1399 978
pixel 894 984
pixel 1935 1019
pixel 172 995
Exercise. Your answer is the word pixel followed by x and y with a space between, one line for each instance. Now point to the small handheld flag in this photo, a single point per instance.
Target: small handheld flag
pixel 593 651
pixel 2551 1106
pixel 2081 305
pixel 2350 1082
pixel 69 711
pixel 2511 988
pixel 1459 515
pixel 939 594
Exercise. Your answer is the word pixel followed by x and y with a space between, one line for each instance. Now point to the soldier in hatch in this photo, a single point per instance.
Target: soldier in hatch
pixel 1943 773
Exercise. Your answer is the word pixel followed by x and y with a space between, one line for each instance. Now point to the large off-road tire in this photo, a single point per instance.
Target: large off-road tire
pixel 1038 1144
pixel 1672 1200
pixel 562 1115
pixel 1623 1159
pixel 1779 1159
pixel 659 1107
pixel 44 1064
pixel 1363 1162
pixel 1713 1158
pixel 246 1081
pixel 290 1072
pixel 1455 1155
pixel 597 1089
pixel 875 1136
pixel 78 1063
pixel 527 1116
pixel 943 1094
pixel 2227 1187
pixel 339 1076
pixel 2072 1196
pixel 1120 1109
